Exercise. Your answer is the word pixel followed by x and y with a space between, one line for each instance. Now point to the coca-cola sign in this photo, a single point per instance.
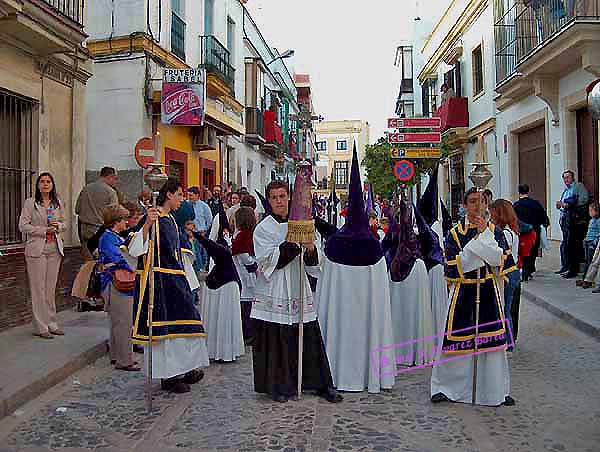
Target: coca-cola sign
pixel 182 103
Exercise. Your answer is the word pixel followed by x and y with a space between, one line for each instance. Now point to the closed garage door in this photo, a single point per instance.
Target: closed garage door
pixel 532 162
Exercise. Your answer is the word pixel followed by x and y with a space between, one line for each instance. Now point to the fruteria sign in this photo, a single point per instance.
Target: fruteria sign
pixel 416 153
pixel 414 123
pixel 183 97
pixel 414 137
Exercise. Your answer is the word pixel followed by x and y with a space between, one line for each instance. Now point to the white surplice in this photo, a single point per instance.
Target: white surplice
pixel 455 378
pixel 277 290
pixel 248 279
pixel 356 323
pixel 173 356
pixel 412 317
pixel 222 317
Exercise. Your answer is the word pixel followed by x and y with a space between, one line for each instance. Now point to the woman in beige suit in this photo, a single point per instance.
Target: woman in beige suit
pixel 42 221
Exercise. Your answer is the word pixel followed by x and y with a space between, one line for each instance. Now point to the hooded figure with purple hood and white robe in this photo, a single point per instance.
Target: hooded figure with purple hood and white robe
pixel 411 298
pixel 353 302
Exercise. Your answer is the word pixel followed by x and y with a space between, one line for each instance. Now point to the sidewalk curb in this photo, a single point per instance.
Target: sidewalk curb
pixel 578 323
pixel 30 392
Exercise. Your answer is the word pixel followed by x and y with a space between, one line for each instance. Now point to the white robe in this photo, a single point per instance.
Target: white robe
pixel 412 317
pixel 278 290
pixel 173 356
pixel 439 301
pixel 356 323
pixel 222 317
pixel 453 376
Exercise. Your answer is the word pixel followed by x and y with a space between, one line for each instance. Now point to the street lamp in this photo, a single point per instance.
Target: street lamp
pixel 287 54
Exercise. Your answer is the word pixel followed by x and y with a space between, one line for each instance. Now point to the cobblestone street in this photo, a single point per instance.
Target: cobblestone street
pixel 554 380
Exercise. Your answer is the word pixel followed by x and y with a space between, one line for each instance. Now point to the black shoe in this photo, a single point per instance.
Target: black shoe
pixel 509 401
pixel 280 398
pixel 597 290
pixel 331 395
pixel 193 376
pixel 138 349
pixel 113 362
pixel 180 387
pixel 570 275
pixel 561 271
pixel 439 398
pixel 167 383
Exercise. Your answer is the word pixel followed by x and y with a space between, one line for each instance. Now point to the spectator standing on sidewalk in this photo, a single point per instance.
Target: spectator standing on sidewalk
pixel 185 213
pixel 573 219
pixel 530 211
pixel 591 241
pixel 235 205
pixel 42 221
pixel 215 201
pixel 503 215
pixel 118 300
pixel 95 199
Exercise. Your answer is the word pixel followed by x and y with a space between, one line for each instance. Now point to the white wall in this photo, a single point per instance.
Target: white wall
pixel 115 97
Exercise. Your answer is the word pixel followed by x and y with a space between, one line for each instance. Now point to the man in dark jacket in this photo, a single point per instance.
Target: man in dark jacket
pixel 530 211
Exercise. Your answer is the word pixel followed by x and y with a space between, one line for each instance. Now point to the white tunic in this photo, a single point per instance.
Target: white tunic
pixel 222 317
pixel 453 375
pixel 356 323
pixel 173 356
pixel 278 291
pixel 412 317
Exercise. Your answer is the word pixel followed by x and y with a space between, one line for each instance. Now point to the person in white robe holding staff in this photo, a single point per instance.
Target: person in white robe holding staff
pixel 476 251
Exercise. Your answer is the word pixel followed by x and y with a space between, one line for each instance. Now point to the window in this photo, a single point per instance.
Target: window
pixel 341 145
pixel 209 6
pixel 477 65
pixel 177 35
pixel 341 173
pixel 16 163
pixel 321 146
pixel 429 97
pixel 231 37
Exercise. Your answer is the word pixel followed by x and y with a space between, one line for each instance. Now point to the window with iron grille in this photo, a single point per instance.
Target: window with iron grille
pixel 16 163
pixel 341 173
pixel 178 36
pixel 321 146
pixel 477 65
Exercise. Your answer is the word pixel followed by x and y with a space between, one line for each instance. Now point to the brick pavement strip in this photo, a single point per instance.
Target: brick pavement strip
pixel 554 380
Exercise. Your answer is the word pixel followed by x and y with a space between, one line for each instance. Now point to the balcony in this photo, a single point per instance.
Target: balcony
pixel 272 134
pixel 47 26
pixel 215 58
pixel 454 115
pixel 545 38
pixel 255 126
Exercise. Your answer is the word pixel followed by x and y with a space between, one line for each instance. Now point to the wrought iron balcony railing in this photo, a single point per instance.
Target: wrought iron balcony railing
pixel 72 9
pixel 529 24
pixel 216 59
pixel 255 125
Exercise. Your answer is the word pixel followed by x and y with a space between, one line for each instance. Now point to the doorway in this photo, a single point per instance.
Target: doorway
pixel 532 162
pixel 587 152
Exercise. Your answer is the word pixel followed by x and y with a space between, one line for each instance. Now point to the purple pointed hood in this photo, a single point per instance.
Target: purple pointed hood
pixel 354 244
pixel 408 247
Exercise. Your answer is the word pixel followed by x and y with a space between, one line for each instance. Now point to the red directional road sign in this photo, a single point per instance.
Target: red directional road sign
pixel 402 138
pixel 404 170
pixel 144 152
pixel 414 123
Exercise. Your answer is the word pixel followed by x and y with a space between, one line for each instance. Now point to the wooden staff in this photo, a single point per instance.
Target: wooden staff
pixel 301 324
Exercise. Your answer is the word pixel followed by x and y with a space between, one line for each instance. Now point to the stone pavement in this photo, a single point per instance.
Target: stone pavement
pixel 554 372
pixel 32 365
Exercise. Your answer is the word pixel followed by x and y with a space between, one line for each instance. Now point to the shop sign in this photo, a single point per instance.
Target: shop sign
pixel 183 97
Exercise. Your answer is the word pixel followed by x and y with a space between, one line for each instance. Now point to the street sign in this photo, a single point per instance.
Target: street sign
pixel 404 170
pixel 416 153
pixel 414 123
pixel 425 137
pixel 144 152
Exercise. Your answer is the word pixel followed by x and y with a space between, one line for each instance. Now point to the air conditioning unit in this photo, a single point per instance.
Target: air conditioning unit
pixel 204 138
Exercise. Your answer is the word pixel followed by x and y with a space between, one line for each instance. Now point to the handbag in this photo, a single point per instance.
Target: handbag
pixel 94 289
pixel 124 280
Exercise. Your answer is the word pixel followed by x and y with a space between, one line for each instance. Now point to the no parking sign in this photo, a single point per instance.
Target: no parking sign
pixel 404 170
